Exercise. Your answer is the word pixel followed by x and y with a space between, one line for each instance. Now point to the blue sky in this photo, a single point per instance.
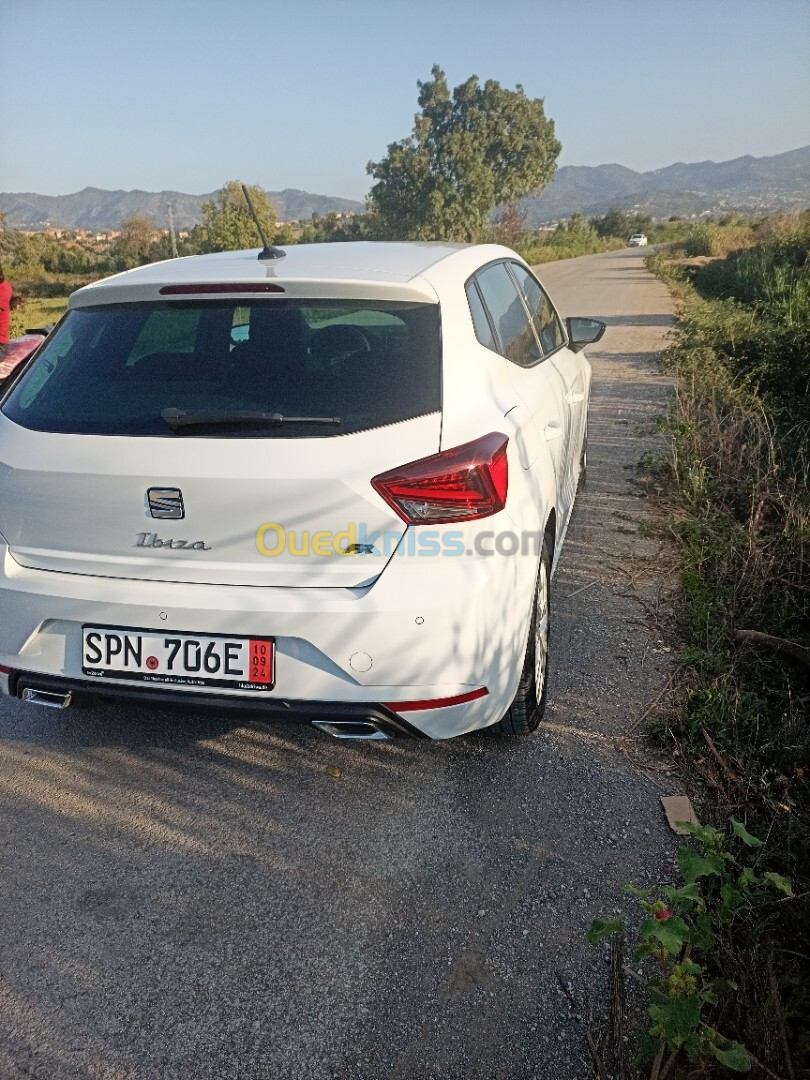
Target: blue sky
pixel 186 94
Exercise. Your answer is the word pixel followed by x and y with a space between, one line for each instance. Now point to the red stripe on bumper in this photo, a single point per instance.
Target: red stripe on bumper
pixel 435 703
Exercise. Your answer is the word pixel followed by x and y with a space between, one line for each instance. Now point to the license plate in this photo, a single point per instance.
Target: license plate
pixel 239 663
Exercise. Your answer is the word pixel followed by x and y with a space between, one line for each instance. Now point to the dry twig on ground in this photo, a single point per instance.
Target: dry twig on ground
pixel 799 653
pixel 718 757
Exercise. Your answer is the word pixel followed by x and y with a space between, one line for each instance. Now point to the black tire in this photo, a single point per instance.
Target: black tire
pixel 526 711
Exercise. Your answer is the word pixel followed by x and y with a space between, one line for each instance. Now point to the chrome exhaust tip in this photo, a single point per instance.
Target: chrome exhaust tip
pixel 351 729
pixel 47 698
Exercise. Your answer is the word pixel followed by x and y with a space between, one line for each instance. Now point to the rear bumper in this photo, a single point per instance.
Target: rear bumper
pixel 380 715
pixel 427 630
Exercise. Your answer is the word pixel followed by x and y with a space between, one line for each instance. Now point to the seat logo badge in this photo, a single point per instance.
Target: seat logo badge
pixel 165 503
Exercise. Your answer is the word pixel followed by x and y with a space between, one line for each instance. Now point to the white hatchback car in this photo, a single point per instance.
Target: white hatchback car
pixel 637 240
pixel 330 481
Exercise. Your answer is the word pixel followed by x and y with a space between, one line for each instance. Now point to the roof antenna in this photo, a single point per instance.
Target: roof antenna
pixel 268 251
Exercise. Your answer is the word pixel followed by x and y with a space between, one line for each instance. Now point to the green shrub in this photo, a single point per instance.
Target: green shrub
pixel 565 246
pixel 707 238
pixel 699 934
pixel 698 240
pixel 762 335
pixel 738 485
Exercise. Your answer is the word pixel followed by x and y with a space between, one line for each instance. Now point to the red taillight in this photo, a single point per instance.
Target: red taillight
pixel 461 484
pixel 216 288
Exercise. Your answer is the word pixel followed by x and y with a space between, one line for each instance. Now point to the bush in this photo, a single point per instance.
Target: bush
pixel 708 238
pixel 737 484
pixel 699 934
pixel 698 240
pixel 761 318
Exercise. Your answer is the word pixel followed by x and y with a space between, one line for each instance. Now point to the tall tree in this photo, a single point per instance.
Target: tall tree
pixel 469 152
pixel 227 224
pixel 138 234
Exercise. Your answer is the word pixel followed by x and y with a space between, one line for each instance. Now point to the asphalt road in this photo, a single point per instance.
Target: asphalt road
pixel 186 896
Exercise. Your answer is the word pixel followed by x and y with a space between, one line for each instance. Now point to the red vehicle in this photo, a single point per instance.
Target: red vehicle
pixel 19 349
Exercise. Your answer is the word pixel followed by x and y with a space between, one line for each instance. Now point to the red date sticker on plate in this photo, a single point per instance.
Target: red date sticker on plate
pixel 261 661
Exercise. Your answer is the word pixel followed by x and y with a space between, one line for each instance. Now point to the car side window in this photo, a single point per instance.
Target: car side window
pixel 544 317
pixel 516 338
pixel 483 331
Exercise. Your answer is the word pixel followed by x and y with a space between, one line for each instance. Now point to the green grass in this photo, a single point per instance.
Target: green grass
pixel 566 248
pixel 36 312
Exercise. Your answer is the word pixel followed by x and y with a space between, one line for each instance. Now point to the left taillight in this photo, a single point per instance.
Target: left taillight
pixel 461 484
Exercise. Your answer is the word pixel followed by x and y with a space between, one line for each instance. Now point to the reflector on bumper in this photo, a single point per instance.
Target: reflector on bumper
pixel 435 703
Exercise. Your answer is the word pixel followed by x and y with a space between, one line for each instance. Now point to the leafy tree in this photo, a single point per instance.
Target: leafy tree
pixel 619 223
pixel 575 226
pixel 614 223
pixel 12 243
pixel 138 234
pixel 469 152
pixel 639 222
pixel 227 224
pixel 60 259
pixel 329 228
pixel 162 247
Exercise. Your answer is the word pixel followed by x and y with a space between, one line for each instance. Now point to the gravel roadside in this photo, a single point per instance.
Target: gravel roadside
pixel 203 897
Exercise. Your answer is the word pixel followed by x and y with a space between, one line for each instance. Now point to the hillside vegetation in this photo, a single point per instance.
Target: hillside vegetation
pixel 745 184
pixel 45 269
pixel 737 489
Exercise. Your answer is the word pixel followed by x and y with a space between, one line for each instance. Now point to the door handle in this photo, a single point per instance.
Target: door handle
pixel 575 397
pixel 553 430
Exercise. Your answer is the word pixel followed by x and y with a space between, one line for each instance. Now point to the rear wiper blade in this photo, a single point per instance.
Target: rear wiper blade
pixel 179 418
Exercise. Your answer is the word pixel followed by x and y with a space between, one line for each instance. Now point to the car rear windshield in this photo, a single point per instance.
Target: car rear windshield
pixel 266 368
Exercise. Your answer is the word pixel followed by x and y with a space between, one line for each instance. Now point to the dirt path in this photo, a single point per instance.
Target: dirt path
pixel 187 897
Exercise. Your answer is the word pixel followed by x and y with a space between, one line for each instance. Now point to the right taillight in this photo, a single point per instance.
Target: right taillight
pixel 461 484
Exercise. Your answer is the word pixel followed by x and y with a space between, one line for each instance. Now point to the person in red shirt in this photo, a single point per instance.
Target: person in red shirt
pixel 6 295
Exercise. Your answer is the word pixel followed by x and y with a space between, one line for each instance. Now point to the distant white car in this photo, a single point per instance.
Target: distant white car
pixel 329 481
pixel 637 240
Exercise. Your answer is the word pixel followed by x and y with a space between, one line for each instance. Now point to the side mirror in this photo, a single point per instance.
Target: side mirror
pixel 582 332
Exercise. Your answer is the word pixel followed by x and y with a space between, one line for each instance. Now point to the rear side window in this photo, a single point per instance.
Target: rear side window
pixel 317 367
pixel 483 331
pixel 516 338
pixel 545 319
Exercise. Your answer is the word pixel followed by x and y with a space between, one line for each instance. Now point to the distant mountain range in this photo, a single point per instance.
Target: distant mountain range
pixel 94 208
pixel 746 184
